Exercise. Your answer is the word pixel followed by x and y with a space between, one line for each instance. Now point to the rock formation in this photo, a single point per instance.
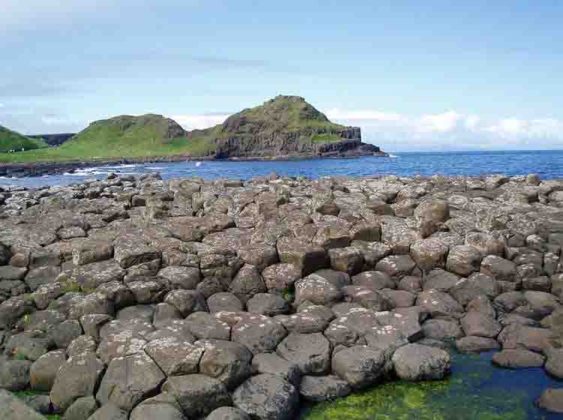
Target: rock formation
pixel 188 298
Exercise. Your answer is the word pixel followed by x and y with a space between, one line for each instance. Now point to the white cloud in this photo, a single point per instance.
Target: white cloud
pixel 365 114
pixel 448 130
pixel 440 123
pixel 199 121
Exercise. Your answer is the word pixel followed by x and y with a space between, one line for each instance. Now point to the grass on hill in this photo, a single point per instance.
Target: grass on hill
pixel 12 141
pixel 121 137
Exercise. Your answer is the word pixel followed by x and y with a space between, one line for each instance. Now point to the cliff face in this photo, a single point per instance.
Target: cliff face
pixel 285 126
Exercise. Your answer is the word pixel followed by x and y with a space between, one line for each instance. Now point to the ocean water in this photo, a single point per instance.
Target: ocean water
pixel 475 390
pixel 547 164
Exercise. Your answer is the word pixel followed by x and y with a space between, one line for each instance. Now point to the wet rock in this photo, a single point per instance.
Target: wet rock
pixel 474 344
pixel 267 397
pixel 476 323
pixel 322 388
pixel 439 304
pixel 515 336
pixel 415 362
pixel 359 366
pixel 441 329
pixel 552 400
pixel 518 359
pixel 554 363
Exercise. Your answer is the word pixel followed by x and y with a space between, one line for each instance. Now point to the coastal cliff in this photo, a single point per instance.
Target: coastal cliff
pixel 283 127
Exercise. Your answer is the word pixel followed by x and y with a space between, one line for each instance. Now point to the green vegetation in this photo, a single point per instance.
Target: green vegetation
pixel 141 137
pixel 276 117
pixel 325 138
pixel 464 396
pixel 12 141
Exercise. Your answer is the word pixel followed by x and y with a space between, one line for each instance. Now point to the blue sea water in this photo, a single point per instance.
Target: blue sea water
pixel 547 164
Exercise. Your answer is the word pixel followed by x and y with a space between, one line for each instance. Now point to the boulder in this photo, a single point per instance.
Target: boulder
pixel 77 377
pixel 13 408
pixel 463 260
pixel 198 395
pixel 44 370
pixel 416 362
pixel 174 356
pixel 267 397
pixel 322 388
pixel 227 413
pixel 226 361
pixel 310 352
pixel 258 333
pixel 551 400
pixel 163 406
pixel 518 359
pixel 14 374
pixel 359 366
pixel 306 257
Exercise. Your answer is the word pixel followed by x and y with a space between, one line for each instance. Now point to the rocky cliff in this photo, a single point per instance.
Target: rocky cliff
pixel 286 126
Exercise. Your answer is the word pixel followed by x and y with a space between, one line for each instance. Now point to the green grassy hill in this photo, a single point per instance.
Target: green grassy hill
pixel 124 136
pixel 10 140
pixel 289 116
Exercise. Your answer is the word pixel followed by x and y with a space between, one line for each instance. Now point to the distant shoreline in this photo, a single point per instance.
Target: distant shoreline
pixel 31 169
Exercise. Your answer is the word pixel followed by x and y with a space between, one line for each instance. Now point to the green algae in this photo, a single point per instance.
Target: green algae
pixel 464 396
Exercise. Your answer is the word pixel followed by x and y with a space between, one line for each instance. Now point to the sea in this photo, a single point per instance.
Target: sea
pixel 548 164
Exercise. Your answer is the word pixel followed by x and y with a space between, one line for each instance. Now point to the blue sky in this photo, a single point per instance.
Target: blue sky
pixel 415 75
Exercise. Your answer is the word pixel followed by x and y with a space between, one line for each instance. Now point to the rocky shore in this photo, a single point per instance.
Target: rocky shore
pixel 345 149
pixel 141 298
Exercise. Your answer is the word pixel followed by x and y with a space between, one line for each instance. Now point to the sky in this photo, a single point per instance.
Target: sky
pixel 414 75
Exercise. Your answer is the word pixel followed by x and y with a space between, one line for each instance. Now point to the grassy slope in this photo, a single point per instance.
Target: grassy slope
pixel 283 114
pixel 10 140
pixel 119 137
